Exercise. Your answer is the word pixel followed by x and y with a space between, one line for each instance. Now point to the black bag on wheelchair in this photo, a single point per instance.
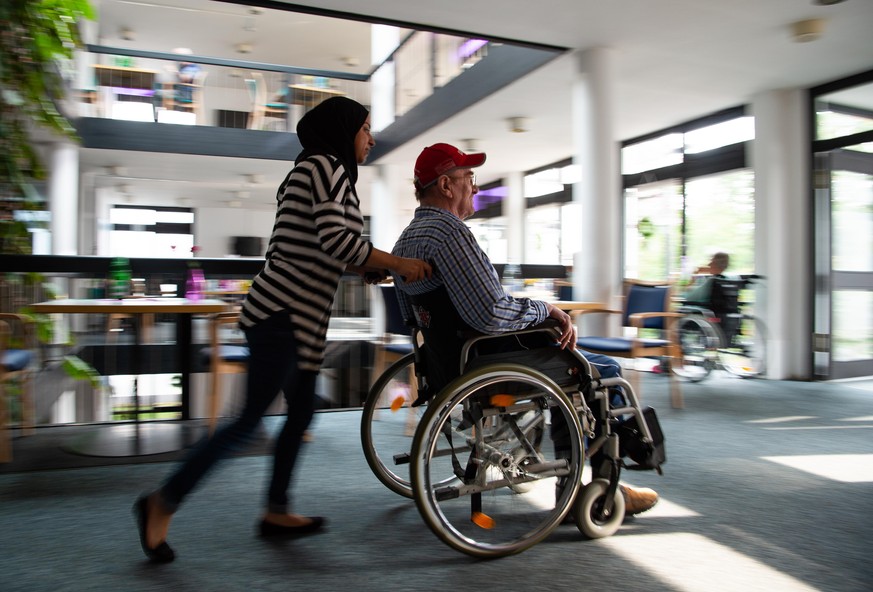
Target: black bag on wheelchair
pixel 646 455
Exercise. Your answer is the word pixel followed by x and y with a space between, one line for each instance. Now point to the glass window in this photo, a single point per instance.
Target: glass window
pixel 490 233
pixel 852 219
pixel 720 216
pixel 721 134
pixel 543 183
pixel 852 336
pixel 844 112
pixel 543 236
pixel 652 233
pixel 652 154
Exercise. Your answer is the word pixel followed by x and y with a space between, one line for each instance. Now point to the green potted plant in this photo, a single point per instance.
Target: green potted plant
pixel 34 36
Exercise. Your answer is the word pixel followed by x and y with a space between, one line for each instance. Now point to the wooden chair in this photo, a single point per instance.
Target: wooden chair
pixel 261 107
pixel 187 97
pixel 222 359
pixel 646 305
pixel 17 353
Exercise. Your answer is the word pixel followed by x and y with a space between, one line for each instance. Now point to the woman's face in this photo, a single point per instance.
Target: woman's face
pixel 363 142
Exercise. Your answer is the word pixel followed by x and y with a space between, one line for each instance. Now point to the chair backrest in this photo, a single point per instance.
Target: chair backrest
pixel 394 323
pixel 646 297
pixel 725 295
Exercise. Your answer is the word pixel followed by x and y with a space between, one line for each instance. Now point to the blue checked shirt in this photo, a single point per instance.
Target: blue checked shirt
pixel 443 240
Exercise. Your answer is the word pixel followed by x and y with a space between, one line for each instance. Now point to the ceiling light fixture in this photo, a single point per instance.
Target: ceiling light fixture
pixel 827 2
pixel 244 48
pixel 807 30
pixel 127 34
pixel 517 125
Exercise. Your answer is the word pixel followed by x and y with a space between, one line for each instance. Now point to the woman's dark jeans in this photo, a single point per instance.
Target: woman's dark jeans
pixel 272 367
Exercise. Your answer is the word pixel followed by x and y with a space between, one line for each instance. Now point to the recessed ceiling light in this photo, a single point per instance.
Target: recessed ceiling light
pixel 807 30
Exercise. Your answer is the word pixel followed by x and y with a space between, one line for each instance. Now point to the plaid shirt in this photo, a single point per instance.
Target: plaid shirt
pixel 443 240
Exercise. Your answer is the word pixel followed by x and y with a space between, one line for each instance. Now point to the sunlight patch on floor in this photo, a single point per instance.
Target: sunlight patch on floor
pixel 787 418
pixel 691 562
pixel 847 468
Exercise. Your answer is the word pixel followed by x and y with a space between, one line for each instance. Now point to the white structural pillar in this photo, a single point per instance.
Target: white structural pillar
pixel 513 210
pixel 63 197
pixel 597 269
pixel 781 160
pixel 391 204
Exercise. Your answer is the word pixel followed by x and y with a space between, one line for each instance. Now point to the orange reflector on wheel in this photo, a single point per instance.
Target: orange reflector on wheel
pixel 397 403
pixel 502 400
pixel 482 520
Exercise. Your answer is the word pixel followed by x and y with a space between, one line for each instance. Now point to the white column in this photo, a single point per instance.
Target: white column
pixel 63 197
pixel 391 205
pixel 597 269
pixel 513 210
pixel 780 156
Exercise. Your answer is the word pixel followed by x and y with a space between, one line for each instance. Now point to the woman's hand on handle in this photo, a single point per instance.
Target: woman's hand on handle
pixel 411 270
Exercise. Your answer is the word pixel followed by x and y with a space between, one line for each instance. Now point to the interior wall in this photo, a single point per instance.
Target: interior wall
pixel 215 227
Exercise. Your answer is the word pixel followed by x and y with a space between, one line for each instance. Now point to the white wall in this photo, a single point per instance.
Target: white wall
pixel 214 227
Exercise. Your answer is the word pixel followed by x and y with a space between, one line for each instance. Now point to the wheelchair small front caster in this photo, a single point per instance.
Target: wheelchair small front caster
pixel 588 510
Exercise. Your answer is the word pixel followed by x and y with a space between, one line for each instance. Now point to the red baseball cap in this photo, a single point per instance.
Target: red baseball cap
pixel 439 159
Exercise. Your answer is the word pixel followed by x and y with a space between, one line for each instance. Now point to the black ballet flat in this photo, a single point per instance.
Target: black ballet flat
pixel 163 553
pixel 268 529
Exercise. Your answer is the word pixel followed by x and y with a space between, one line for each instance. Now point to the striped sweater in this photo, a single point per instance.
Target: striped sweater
pixel 317 233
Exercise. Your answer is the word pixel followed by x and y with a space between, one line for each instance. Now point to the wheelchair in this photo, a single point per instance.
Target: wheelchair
pixel 494 457
pixel 719 335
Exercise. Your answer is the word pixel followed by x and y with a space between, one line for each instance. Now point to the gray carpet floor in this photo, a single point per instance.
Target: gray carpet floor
pixel 768 486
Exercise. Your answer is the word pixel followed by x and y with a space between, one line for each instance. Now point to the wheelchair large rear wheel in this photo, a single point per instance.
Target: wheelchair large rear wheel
pixel 388 423
pixel 745 356
pixel 699 343
pixel 511 488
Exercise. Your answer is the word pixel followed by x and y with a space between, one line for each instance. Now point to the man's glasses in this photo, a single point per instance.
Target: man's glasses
pixel 470 176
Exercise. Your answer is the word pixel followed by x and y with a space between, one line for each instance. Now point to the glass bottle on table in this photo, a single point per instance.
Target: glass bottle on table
pixel 119 277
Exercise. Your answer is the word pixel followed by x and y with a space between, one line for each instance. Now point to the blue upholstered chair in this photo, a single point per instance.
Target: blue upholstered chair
pixel 646 305
pixel 396 339
pixel 17 354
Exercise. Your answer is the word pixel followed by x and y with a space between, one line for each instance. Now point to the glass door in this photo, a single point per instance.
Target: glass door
pixel 844 262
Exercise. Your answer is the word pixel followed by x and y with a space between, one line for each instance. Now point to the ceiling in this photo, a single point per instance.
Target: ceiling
pixel 674 60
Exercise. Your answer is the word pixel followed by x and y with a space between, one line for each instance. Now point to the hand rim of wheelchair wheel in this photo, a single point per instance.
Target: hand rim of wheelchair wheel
pixel 589 502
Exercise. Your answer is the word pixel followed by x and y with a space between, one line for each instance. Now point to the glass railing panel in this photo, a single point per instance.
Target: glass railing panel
pixel 156 87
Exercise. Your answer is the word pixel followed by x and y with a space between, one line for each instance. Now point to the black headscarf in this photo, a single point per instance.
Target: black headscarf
pixel 330 128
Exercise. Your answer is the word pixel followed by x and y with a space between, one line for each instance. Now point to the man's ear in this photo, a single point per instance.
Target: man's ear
pixel 443 183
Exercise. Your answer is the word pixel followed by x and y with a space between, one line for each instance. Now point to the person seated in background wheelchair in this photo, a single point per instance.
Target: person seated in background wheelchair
pixel 700 292
pixel 714 291
pixel 465 281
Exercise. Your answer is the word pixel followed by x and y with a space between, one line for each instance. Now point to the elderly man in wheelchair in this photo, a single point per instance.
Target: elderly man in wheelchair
pixel 498 374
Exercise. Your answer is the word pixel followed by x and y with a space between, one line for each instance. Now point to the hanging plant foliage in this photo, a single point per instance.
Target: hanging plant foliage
pixel 646 228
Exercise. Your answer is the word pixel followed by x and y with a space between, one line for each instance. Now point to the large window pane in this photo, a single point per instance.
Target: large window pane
pixel 653 220
pixel 720 216
pixel 543 235
pixel 852 219
pixel 844 112
pixel 852 334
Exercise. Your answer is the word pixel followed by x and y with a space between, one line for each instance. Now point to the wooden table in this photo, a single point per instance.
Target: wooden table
pixel 573 305
pixel 152 437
